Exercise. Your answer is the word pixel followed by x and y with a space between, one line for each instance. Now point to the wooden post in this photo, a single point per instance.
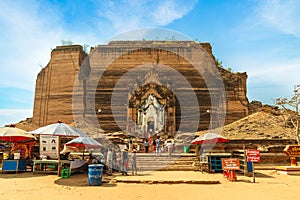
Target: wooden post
pixel 58 155
pixel 245 161
pixel 210 170
pixel 253 172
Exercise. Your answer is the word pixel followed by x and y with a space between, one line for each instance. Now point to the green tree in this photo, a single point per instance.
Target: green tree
pixel 291 109
pixel 219 63
pixel 66 42
pixel 86 48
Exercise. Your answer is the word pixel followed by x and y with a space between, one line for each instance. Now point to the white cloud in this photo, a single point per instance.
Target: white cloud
pixel 277 73
pixel 131 14
pixel 31 31
pixel 269 78
pixel 168 11
pixel 28 39
pixel 283 15
pixel 10 116
pixel 28 33
pixel 265 69
pixel 266 45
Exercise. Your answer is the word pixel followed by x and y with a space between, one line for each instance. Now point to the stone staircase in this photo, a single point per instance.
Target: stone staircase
pixel 177 162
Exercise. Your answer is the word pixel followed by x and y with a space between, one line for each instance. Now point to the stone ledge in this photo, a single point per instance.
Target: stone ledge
pixel 288 170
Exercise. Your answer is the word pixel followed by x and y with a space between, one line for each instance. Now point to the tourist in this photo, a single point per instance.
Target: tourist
pixel 174 147
pixel 124 161
pixel 65 156
pixel 154 145
pixel 169 147
pixel 158 146
pixel 133 162
pixel 96 159
pixel 165 146
pixel 114 160
pixel 130 145
pixel 109 161
pixel 104 156
pixel 119 160
pixel 146 145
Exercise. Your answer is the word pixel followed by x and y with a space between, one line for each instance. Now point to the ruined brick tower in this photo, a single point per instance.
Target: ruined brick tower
pixel 55 84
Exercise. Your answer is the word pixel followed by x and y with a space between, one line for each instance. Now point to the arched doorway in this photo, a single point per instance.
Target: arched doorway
pixel 152 109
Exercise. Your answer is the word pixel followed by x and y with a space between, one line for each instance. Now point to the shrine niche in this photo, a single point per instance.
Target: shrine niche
pixel 151 106
pixel 151 115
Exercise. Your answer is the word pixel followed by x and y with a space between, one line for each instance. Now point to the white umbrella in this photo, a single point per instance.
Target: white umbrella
pixel 59 129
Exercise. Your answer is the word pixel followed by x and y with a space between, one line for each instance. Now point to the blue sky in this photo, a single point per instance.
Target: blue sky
pixel 260 37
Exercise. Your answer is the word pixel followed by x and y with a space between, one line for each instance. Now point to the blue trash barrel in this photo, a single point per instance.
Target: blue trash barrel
pixel 249 166
pixel 95 174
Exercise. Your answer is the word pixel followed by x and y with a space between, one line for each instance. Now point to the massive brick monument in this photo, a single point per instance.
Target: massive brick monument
pixel 152 95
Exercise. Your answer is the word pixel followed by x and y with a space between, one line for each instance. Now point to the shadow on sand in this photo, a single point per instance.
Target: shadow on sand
pixel 261 175
pixel 8 175
pixel 81 180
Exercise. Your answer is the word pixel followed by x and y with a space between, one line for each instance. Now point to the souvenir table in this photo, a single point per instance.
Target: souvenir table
pixel 45 166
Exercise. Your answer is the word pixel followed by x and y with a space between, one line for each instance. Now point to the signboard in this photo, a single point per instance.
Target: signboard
pixel 49 146
pixel 253 155
pixel 230 164
pixel 292 150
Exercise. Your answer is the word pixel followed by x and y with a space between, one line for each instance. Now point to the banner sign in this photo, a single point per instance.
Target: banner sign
pixel 292 150
pixel 253 155
pixel 231 164
pixel 49 146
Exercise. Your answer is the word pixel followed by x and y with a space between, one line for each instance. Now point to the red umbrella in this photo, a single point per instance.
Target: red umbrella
pixel 15 135
pixel 210 138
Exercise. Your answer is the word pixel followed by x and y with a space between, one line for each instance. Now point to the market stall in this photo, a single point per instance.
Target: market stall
pixel 210 162
pixel 20 155
pixel 51 146
pixel 76 145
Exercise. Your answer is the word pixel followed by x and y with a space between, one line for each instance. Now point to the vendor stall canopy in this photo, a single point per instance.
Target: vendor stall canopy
pixel 86 142
pixel 15 135
pixel 210 138
pixel 59 129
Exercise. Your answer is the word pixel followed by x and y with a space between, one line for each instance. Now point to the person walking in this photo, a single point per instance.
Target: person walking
pixel 133 162
pixel 158 146
pixel 154 145
pixel 174 147
pixel 109 161
pixel 170 147
pixel 130 145
pixel 124 162
pixel 146 145
pixel 119 155
pixel 114 161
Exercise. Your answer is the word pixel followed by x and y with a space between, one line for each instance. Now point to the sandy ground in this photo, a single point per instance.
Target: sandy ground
pixel 269 185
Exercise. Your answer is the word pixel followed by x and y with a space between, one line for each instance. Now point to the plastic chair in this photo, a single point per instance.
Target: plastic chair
pixel 65 173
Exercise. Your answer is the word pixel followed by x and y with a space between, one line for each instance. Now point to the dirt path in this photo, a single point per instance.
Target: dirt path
pixel 269 185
